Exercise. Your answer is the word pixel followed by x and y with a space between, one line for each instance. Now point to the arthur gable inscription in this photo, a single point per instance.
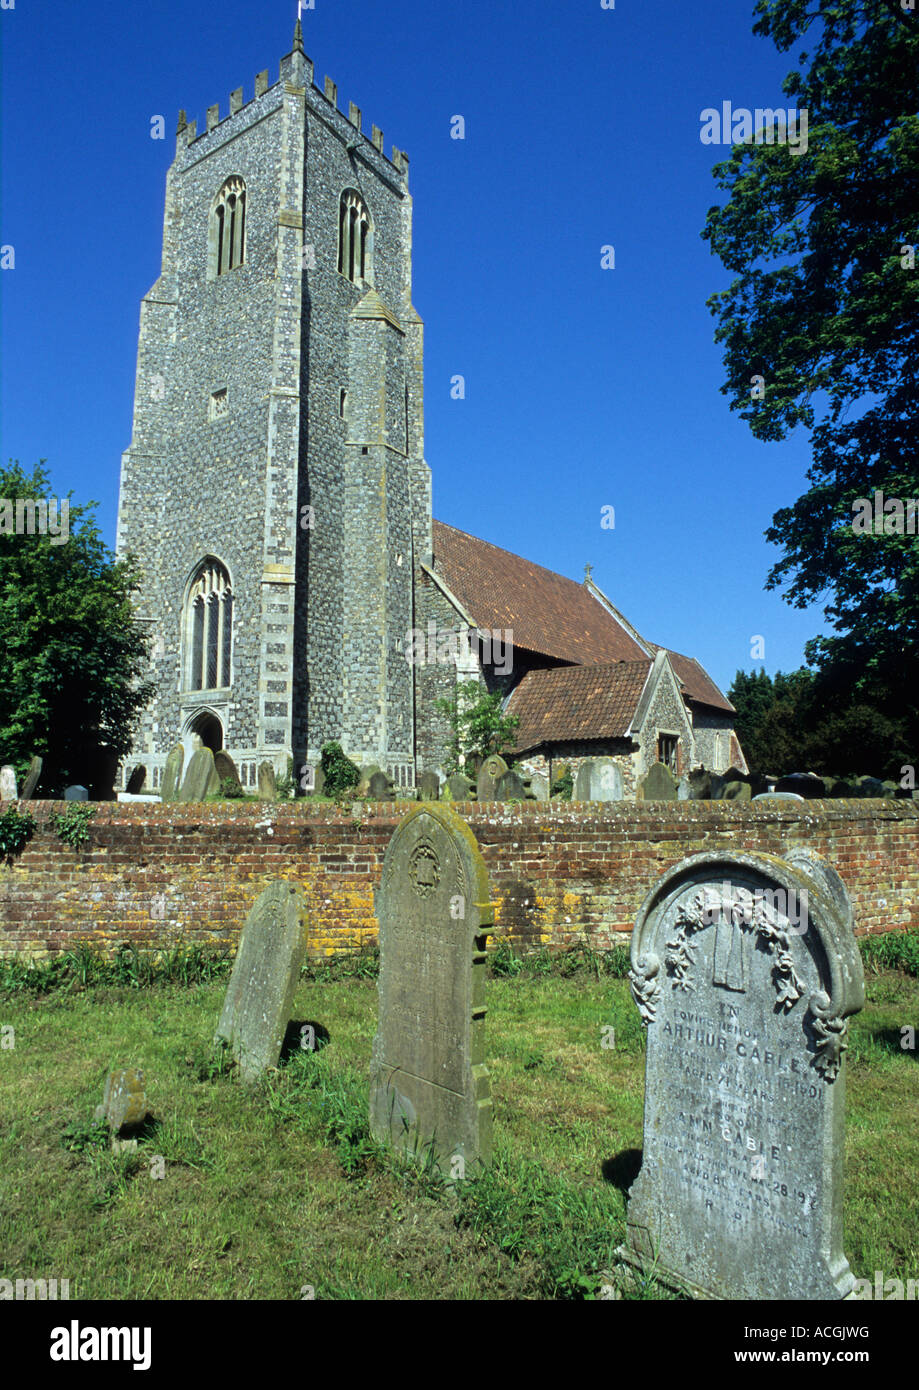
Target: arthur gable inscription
pixel 745 970
pixel 429 1082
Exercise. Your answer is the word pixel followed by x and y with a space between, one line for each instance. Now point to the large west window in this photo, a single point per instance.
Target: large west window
pixel 209 628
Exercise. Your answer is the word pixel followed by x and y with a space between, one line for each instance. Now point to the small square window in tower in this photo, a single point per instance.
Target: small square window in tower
pixel 218 405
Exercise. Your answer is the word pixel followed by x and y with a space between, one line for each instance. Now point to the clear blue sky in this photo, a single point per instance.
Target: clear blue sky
pixel 585 388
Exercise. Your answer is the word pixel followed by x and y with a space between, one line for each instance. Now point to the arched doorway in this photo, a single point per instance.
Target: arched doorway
pixel 209 729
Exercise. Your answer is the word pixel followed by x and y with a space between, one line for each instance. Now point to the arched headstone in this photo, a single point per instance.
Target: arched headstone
pixel 491 771
pixel 745 971
pixel 429 1090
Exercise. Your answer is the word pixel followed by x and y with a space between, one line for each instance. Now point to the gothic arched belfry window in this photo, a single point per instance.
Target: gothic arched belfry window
pixel 355 237
pixel 209 628
pixel 226 237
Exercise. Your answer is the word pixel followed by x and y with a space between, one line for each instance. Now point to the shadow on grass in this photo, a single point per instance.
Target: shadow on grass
pixel 622 1169
pixel 297 1039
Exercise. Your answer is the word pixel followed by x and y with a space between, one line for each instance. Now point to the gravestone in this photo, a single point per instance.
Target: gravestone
pixel 737 791
pixel 227 770
pixel 201 778
pixel 256 1010
pixel 31 782
pixel 806 784
pixel 428 786
pixel 539 786
pixel 492 768
pixel 380 787
pixel 745 971
pixel 510 786
pixel 363 785
pixel 267 782
pixel 312 779
pixel 460 788
pixel 8 789
pixel 172 774
pixel 135 783
pixel 700 784
pixel 598 779
pixel 124 1101
pixel 429 1090
pixel 76 793
pixel 778 796
pixel 659 784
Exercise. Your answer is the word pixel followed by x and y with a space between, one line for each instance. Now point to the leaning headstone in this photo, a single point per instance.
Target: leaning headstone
pixel 124 1101
pixel 737 791
pixel 460 788
pixel 201 778
pixel 31 782
pixel 745 971
pixel 172 774
pixel 227 771
pixel 428 786
pixel 510 786
pixel 267 782
pixel 8 788
pixel 492 768
pixel 659 784
pixel 76 793
pixel 380 787
pixel 429 1090
pixel 261 991
pixel 598 779
pixel 135 783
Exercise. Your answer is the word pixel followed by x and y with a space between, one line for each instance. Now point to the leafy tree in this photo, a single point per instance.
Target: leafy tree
pixel 825 306
pixel 340 772
pixel 73 655
pixel 478 726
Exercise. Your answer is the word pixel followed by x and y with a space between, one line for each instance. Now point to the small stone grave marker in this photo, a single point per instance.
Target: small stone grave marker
pixel 380 787
pixel 428 786
pixel 227 771
pixel 460 788
pixel 659 784
pixel 8 789
pixel 32 776
pixel 512 787
pixel 429 1088
pixel 259 998
pixel 135 783
pixel 201 778
pixel 267 782
pixel 124 1101
pixel 76 793
pixel 598 779
pixel 492 768
pixel 172 774
pixel 745 970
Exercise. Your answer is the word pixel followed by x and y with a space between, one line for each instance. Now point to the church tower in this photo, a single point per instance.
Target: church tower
pixel 275 491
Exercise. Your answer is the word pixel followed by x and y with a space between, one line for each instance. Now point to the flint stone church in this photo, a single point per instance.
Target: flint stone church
pixel 276 495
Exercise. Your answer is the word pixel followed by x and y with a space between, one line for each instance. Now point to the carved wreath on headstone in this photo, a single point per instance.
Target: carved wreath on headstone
pixel 744 912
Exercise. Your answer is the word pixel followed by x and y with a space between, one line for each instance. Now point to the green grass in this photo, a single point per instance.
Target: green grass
pixel 279 1189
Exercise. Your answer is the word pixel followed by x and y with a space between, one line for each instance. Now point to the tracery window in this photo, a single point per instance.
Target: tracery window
pixel 355 237
pixel 209 628
pixel 227 229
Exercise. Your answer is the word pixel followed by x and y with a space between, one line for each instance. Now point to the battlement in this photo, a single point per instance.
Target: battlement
pixel 296 63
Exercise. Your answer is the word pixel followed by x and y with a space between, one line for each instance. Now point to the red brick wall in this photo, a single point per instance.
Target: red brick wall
pixel 155 874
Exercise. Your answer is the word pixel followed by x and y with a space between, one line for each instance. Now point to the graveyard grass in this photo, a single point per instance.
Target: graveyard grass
pixel 278 1191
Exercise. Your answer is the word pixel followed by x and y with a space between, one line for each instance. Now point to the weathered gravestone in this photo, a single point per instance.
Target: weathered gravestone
pixel 778 796
pixel 659 784
pixel 172 774
pixel 745 970
pixel 363 785
pixel 539 786
pixel 737 791
pixel 598 779
pixel 8 789
pixel 201 778
pixel 428 786
pixel 460 788
pixel 76 793
pixel 124 1101
pixel 135 783
pixel 491 770
pixel 510 786
pixel 429 1090
pixel 380 787
pixel 260 994
pixel 267 782
pixel 31 782
pixel 227 771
